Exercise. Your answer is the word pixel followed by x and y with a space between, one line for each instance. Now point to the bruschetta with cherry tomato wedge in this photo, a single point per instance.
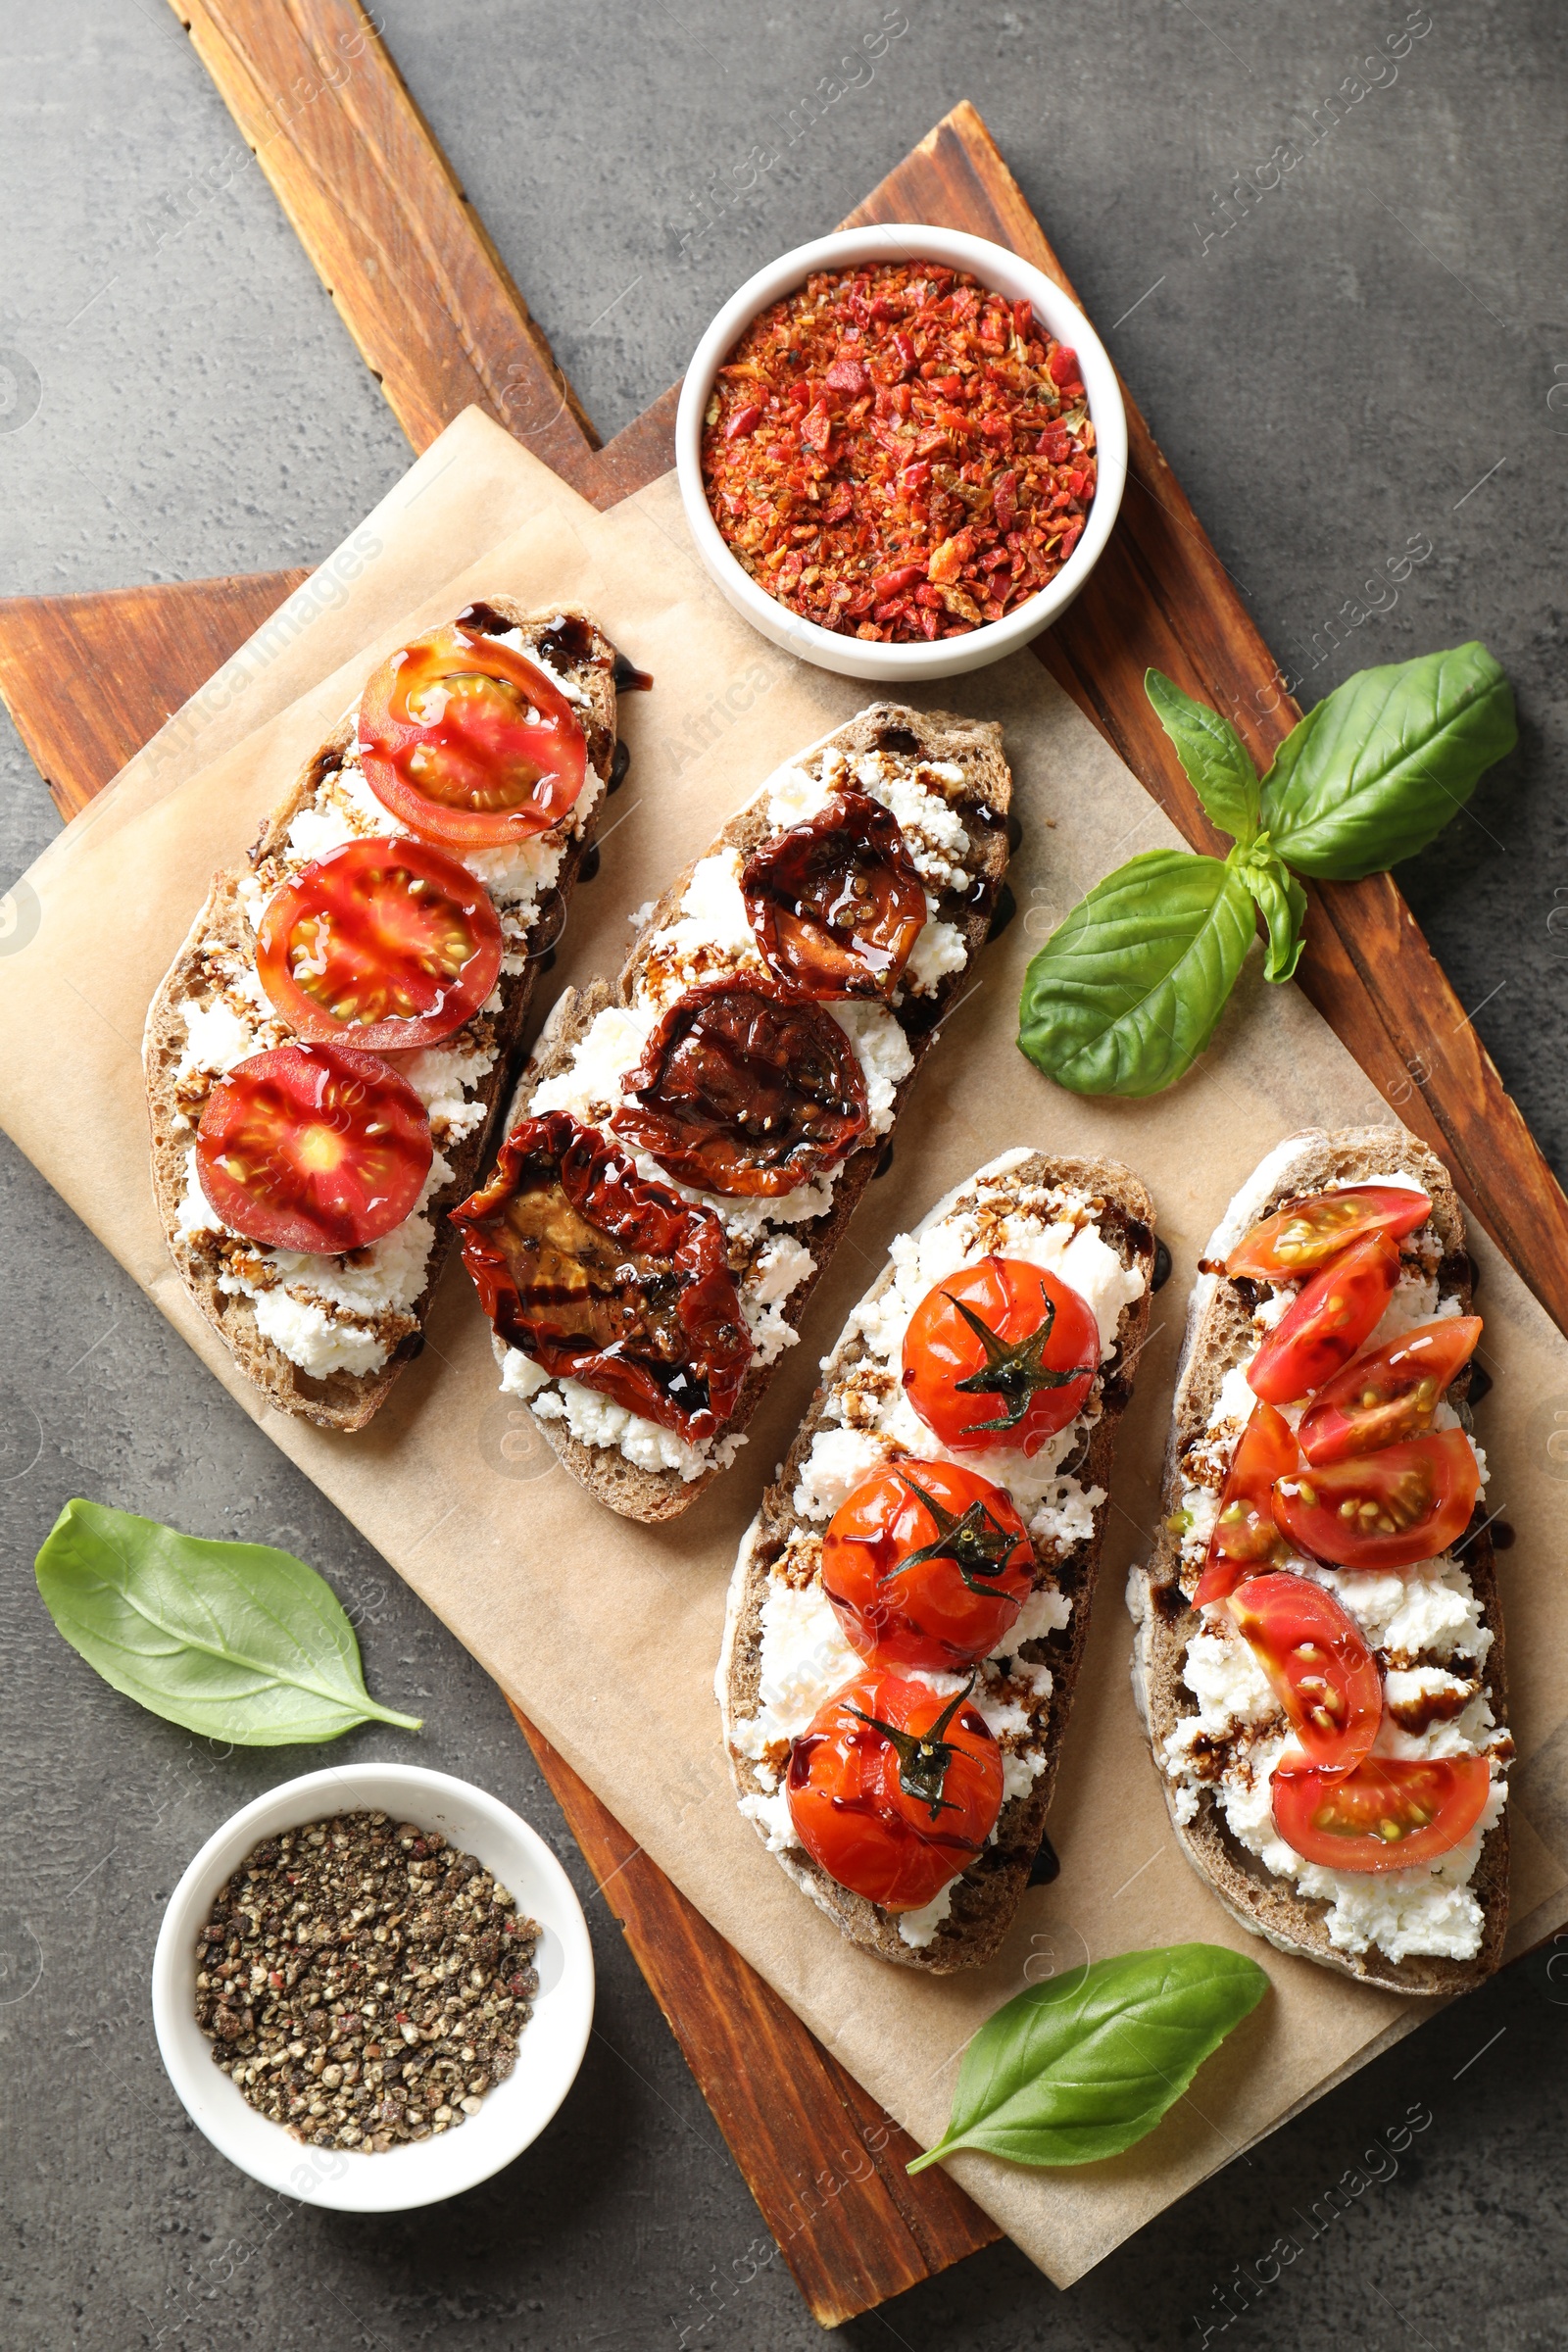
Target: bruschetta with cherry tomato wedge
pixel 909 1609
pixel 1318 1657
pixel 750 1061
pixel 327 1051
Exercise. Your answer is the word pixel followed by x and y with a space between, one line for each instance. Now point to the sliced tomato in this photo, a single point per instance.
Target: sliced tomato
pixel 1391 1394
pixel 1246 1534
pixel 746 1086
pixel 313 1147
pixel 1328 1320
pixel 594 1273
pixel 1305 1234
pixel 1390 1509
pixel 469 743
pixel 385 945
pixel 1002 1353
pixel 893 1789
pixel 1317 1660
pixel 1388 1814
pixel 927 1564
pixel 836 902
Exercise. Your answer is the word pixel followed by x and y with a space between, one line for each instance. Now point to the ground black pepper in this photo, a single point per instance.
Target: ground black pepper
pixel 364 1984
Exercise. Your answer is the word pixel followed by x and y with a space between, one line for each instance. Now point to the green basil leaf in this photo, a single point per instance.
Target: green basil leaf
pixel 1284 905
pixel 1124 997
pixel 234 1640
pixel 1218 766
pixel 1084 2065
pixel 1375 770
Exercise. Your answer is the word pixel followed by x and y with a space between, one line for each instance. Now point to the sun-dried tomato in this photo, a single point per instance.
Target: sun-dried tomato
pixel 894 428
pixel 601 1276
pixel 836 902
pixel 747 1087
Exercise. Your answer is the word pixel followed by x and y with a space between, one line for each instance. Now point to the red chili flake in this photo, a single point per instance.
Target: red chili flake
pixel 891 452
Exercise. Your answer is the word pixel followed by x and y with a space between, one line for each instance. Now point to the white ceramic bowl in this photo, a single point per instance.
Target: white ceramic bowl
pixel 512 2116
pixel 1005 273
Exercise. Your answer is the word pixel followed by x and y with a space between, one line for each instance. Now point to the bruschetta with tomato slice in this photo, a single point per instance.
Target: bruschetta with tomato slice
pixel 909 1609
pixel 1319 1650
pixel 326 1053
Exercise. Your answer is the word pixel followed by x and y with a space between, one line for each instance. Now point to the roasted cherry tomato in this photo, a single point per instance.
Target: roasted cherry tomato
pixel 746 1086
pixel 1326 1323
pixel 927 1565
pixel 469 743
pixel 1300 1239
pixel 894 1790
pixel 1389 1395
pixel 1246 1534
pixel 999 1354
pixel 1316 1657
pixel 1383 1510
pixel 621 1284
pixel 385 945
pixel 1387 1814
pixel 836 902
pixel 313 1147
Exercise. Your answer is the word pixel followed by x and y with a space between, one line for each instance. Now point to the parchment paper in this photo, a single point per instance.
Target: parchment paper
pixel 606 1633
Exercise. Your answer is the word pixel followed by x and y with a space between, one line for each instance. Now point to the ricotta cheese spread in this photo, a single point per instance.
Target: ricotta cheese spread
pixel 1424 1626
pixel 709 938
pixel 348 1313
pixel 868 1421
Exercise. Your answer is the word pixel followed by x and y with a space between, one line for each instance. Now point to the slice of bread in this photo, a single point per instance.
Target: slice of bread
pixel 982 800
pixel 986 1897
pixel 581 654
pixel 1219 1335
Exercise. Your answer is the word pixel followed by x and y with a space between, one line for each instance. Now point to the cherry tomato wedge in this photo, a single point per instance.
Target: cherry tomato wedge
pixel 1390 1509
pixel 1327 1321
pixel 313 1147
pixel 385 945
pixel 1300 1239
pixel 1391 1394
pixel 469 743
pixel 1246 1534
pixel 927 1564
pixel 1387 1814
pixel 836 902
pixel 746 1086
pixel 1003 1353
pixel 593 1272
pixel 893 1789
pixel 1317 1660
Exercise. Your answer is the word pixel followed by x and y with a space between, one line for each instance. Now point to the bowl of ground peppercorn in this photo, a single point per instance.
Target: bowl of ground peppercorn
pixel 900 452
pixel 373 1988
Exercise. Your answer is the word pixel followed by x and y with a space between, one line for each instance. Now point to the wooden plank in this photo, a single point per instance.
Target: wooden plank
pixel 145 649
pixel 855 2228
pixel 376 206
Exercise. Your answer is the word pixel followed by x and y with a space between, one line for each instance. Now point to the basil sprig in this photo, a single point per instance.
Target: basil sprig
pixel 1086 2064
pixel 237 1641
pixel 1126 994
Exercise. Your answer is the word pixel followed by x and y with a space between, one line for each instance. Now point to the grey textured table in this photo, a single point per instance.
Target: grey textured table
pixel 1372 360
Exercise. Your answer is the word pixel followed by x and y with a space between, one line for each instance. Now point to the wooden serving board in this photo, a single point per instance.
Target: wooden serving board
pixel 438 320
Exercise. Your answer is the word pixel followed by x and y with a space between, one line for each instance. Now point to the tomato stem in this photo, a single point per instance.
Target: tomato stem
pixel 977 1544
pixel 1014 1370
pixel 924 1756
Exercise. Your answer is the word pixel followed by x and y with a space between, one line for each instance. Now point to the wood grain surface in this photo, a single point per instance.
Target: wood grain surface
pixel 439 320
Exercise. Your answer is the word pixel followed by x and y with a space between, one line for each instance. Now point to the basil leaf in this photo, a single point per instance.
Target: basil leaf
pixel 1375 770
pixel 1124 997
pixel 1217 764
pixel 233 1641
pixel 1284 905
pixel 1083 2066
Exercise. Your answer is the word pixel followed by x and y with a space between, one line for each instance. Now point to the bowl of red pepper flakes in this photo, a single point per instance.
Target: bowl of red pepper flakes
pixel 901 451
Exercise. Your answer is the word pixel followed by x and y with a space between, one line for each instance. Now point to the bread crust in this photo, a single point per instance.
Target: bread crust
pixel 656 1496
pixel 1218 1335
pixel 987 1895
pixel 347 1401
